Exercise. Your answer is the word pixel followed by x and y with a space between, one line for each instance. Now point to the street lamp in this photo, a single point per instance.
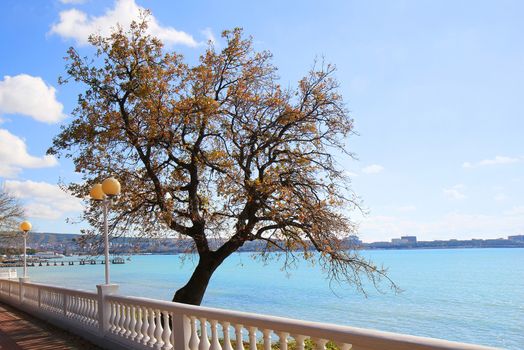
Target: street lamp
pixel 25 227
pixel 104 193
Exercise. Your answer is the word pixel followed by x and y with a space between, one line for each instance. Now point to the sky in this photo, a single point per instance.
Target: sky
pixel 436 89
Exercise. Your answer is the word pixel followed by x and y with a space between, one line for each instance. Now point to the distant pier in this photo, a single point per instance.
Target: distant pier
pixel 64 262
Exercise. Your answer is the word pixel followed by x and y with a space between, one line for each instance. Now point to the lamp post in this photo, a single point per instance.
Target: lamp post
pixel 104 193
pixel 25 227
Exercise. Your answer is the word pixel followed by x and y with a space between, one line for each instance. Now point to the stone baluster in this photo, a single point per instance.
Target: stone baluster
pixel 83 309
pixel 89 309
pixel 127 324
pixel 320 343
pixel 118 316
pixel 65 298
pixel 78 308
pixel 215 344
pixel 181 327
pixel 87 313
pixel 344 346
pixel 58 302
pixel 139 323
pixel 282 340
pixel 252 338
pixel 193 340
pixel 123 318
pixel 227 340
pixel 78 311
pixel 267 339
pixel 75 308
pixel 204 343
pixel 132 322
pixel 118 319
pixel 299 339
pixel 92 311
pixel 145 325
pixel 166 332
pixel 159 330
pixel 71 307
pixel 112 317
pixel 238 337
pixel 151 329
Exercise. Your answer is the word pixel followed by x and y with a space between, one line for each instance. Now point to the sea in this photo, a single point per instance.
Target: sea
pixel 467 295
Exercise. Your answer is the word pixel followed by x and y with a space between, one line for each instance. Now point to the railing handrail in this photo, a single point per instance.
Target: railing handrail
pixel 68 291
pixel 337 333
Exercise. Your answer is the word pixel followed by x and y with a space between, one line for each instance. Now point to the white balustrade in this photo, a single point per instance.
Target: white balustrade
pixel 238 337
pixel 140 323
pixel 225 333
pixel 194 340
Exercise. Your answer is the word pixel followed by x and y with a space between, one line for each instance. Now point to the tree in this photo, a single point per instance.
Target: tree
pixel 11 214
pixel 217 153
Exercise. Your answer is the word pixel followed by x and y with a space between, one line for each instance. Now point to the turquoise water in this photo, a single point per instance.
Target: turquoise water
pixel 469 295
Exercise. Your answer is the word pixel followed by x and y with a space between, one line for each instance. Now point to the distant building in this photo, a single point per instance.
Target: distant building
pixel 398 241
pixel 517 238
pixel 409 239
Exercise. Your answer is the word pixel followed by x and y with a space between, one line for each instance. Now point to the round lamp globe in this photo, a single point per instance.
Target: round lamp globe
pixel 111 187
pixel 26 226
pixel 97 193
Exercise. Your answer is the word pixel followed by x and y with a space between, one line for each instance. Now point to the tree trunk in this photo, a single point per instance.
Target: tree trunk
pixel 193 292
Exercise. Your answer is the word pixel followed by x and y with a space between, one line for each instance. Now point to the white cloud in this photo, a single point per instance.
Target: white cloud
pixel 498 160
pixel 31 96
pixel 500 197
pixel 373 169
pixel 455 192
pixel 406 208
pixel 43 200
pixel 518 210
pixel 350 174
pixel 208 33
pixel 14 156
pixel 77 25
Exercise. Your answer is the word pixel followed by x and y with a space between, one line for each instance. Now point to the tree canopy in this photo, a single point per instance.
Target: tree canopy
pixel 11 215
pixel 214 152
pixel 11 212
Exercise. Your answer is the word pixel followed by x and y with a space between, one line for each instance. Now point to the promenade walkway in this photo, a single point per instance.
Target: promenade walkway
pixel 19 330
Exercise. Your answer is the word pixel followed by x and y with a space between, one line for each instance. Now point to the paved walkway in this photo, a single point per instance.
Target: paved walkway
pixel 19 330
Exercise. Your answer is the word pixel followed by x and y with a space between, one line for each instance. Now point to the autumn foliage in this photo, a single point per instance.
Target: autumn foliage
pixel 215 152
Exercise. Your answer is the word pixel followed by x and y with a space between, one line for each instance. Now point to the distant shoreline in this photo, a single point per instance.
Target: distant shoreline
pixel 67 244
pixel 440 248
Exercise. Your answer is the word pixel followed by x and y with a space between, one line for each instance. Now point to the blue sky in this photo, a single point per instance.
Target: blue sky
pixel 436 89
